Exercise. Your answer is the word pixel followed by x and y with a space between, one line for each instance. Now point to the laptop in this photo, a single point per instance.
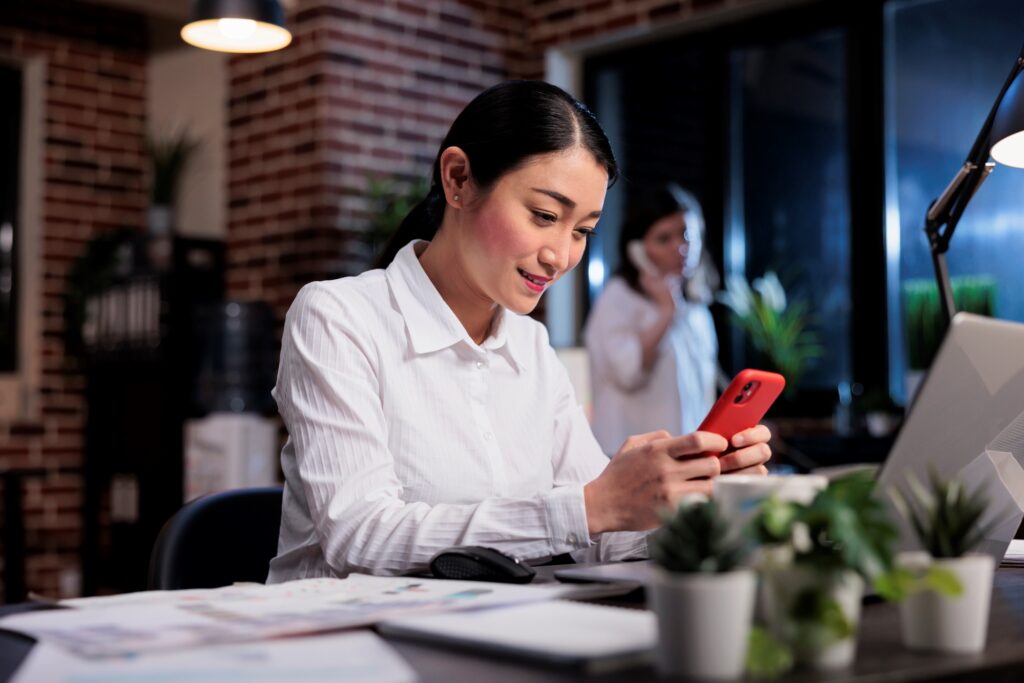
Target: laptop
pixel 967 421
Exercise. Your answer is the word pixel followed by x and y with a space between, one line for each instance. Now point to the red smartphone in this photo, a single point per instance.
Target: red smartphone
pixel 743 403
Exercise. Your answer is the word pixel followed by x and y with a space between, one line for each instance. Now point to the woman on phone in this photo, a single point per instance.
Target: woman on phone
pixel 425 410
pixel 650 337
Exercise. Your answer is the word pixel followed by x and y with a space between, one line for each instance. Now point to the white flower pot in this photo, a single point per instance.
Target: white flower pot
pixel 932 621
pixel 703 622
pixel 783 586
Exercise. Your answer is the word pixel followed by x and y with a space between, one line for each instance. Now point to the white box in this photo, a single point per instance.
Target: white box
pixel 229 450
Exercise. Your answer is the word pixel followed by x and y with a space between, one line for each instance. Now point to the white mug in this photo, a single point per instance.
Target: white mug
pixel 737 496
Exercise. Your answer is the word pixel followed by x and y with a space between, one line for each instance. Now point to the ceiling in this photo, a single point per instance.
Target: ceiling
pixel 162 9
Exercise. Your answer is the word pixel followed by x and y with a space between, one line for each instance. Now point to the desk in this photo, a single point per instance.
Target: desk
pixel 880 657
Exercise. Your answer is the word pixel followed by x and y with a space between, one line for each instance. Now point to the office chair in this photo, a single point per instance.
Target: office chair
pixel 217 540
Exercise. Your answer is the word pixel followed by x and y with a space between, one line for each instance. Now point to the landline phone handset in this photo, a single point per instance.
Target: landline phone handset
pixel 638 255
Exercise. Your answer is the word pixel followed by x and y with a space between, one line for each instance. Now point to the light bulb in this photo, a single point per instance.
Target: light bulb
pixel 236 29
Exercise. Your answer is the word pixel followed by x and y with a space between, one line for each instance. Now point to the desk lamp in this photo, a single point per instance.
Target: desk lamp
pixel 1001 138
pixel 237 26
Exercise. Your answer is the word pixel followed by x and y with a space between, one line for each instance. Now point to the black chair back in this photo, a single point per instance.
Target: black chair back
pixel 217 540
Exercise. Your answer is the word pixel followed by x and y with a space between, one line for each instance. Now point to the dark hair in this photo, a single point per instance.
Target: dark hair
pixel 646 209
pixel 500 130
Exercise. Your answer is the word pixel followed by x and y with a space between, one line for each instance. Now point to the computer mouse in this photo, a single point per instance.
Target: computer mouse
pixel 477 563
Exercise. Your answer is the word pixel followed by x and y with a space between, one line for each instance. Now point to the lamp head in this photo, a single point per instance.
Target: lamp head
pixel 237 26
pixel 1007 134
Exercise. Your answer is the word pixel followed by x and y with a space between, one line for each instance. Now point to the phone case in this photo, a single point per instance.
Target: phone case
pixel 744 402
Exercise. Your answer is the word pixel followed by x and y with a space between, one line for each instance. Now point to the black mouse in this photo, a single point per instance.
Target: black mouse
pixel 476 563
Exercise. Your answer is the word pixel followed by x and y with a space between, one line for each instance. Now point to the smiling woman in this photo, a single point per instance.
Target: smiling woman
pixel 425 411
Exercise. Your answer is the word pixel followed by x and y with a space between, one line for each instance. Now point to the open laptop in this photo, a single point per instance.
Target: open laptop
pixel 967 421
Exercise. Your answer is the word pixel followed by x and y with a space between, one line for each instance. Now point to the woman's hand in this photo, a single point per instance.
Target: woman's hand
pixel 751 452
pixel 651 472
pixel 660 291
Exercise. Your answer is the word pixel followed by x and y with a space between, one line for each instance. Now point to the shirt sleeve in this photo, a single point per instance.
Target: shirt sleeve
pixel 329 396
pixel 613 339
pixel 578 461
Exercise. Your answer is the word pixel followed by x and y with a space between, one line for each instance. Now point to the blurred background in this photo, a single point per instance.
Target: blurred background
pixel 161 205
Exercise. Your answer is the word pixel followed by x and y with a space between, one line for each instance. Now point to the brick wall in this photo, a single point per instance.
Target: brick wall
pixel 551 23
pixel 94 165
pixel 368 89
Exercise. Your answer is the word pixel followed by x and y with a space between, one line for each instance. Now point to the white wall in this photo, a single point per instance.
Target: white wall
pixel 187 90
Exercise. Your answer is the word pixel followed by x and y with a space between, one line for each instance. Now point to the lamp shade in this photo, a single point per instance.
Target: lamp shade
pixel 1007 134
pixel 237 26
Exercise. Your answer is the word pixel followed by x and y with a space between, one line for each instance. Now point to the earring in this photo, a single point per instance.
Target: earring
pixel 455 198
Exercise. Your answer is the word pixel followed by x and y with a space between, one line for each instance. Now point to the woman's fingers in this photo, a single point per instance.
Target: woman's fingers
pixel 696 468
pixel 758 434
pixel 694 443
pixel 756 469
pixel 745 458
pixel 640 439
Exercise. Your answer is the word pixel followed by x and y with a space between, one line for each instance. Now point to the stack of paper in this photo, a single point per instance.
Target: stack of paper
pixel 359 657
pixel 1014 554
pixel 135 623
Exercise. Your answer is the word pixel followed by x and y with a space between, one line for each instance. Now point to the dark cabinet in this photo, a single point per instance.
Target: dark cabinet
pixel 141 367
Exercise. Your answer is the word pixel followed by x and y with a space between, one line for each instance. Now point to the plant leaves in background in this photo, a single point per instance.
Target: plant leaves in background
pixel 922 315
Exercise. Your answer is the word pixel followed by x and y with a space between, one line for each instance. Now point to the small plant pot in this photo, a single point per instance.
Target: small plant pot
pixel 787 591
pixel 703 622
pixel 933 621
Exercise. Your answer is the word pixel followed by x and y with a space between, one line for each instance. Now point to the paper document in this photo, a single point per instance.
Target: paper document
pixel 359 657
pixel 1014 554
pixel 160 620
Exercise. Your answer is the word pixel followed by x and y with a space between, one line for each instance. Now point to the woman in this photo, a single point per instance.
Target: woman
pixel 424 409
pixel 650 337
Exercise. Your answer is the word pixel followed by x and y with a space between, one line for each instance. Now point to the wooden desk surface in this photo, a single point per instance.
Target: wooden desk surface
pixel 880 656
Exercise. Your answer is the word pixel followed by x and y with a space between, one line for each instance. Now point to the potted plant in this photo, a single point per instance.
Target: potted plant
pixel 168 158
pixel 390 202
pixel 702 595
pixel 776 326
pixel 945 590
pixel 814 563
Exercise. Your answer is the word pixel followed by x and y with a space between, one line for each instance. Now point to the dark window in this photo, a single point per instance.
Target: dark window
pixel 10 128
pixel 789 197
pixel 945 61
pixel 775 124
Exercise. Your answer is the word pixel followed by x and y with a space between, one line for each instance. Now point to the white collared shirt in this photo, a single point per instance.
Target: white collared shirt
pixel 406 437
pixel 675 393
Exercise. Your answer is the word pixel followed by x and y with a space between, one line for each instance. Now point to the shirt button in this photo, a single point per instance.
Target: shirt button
pixel 479 365
pixel 571 539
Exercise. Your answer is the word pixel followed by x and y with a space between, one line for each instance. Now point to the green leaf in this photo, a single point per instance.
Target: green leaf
pixel 895 585
pixel 943 581
pixel 697 539
pixel 766 656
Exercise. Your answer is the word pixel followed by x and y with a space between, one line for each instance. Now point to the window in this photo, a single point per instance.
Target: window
pixel 945 62
pixel 788 198
pixel 10 127
pixel 22 135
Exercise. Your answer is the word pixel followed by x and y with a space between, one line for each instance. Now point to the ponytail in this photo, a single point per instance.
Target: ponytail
pixel 419 224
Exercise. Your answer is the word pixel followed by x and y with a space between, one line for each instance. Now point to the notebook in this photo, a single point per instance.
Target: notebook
pixel 596 638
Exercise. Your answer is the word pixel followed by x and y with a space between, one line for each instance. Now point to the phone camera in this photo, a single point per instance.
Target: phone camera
pixel 738 399
pixel 746 387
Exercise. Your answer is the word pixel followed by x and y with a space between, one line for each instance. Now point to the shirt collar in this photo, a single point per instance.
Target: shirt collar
pixel 430 322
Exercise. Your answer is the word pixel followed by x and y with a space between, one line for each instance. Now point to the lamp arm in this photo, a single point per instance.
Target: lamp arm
pixel 946 210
